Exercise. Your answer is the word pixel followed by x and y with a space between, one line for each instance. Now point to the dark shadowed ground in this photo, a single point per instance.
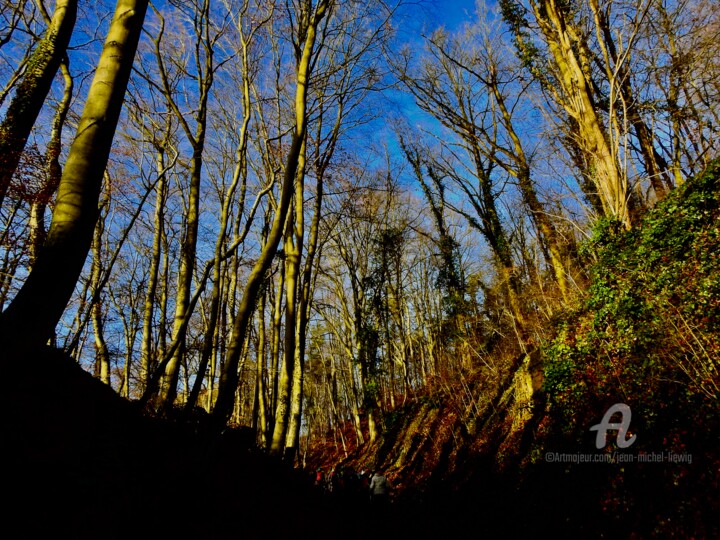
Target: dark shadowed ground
pixel 80 462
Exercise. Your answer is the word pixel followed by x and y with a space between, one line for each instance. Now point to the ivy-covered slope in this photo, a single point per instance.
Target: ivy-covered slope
pixel 649 332
pixel 648 336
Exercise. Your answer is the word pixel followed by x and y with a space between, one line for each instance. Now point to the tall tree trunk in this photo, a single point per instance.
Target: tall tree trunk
pixel 102 353
pixel 188 250
pixel 293 250
pixel 146 361
pixel 275 350
pixel 229 376
pixel 32 91
pixel 38 306
pixel 577 98
pixel 304 305
pixel 239 177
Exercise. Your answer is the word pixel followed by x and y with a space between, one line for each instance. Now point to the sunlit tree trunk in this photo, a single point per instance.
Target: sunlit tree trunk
pixel 292 250
pixel 146 347
pixel 102 353
pixel 229 376
pixel 205 74
pixel 304 305
pixel 239 179
pixel 38 306
pixel 577 98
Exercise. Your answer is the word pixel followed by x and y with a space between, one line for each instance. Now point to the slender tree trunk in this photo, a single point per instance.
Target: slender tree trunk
pixel 239 175
pixel 292 265
pixel 304 306
pixel 275 351
pixel 260 383
pixel 153 273
pixel 102 353
pixel 229 376
pixel 186 271
pixel 188 251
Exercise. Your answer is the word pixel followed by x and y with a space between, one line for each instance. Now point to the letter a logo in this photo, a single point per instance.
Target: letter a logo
pixel 603 427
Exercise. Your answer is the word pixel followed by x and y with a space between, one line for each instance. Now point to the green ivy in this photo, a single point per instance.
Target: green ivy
pixel 654 298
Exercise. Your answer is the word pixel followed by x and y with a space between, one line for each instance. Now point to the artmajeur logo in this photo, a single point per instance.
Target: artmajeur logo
pixel 623 441
pixel 622 427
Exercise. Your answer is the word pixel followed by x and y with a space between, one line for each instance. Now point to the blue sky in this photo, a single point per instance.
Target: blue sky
pixel 455 12
pixel 450 13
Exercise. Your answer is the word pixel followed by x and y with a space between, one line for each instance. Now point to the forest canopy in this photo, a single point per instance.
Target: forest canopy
pixel 298 215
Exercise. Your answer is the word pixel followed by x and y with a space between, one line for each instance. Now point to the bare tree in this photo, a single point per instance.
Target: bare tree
pixel 310 17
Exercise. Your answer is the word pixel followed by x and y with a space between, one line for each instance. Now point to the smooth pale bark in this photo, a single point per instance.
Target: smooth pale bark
pixel 292 264
pixel 30 95
pixel 188 250
pixel 146 359
pixel 229 376
pixel 309 274
pixel 292 438
pixel 239 178
pixel 102 353
pixel 306 285
pixel 38 306
pixel 183 294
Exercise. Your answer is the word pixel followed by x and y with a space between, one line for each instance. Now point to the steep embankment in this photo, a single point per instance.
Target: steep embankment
pixel 81 462
pixel 511 456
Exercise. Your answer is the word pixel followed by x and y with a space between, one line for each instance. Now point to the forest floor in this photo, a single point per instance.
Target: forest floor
pixel 83 463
